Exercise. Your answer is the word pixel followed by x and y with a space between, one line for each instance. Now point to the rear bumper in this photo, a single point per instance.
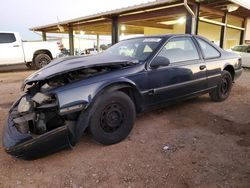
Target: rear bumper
pixel 237 74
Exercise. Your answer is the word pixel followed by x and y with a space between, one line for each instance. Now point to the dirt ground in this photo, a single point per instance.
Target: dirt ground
pixel 207 144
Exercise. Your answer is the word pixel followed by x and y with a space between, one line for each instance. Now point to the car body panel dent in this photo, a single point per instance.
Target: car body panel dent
pixel 84 91
pixel 61 66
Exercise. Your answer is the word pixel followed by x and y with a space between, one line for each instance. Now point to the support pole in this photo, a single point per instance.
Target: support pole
pixel 188 29
pixel 71 41
pixel 98 42
pixel 223 30
pixel 44 37
pixel 190 19
pixel 197 14
pixel 242 32
pixel 115 33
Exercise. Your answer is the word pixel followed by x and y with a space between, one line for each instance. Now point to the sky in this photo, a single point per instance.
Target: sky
pixel 20 15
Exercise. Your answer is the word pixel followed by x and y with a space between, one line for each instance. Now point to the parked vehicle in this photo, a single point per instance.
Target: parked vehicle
pixel 34 54
pixel 244 52
pixel 64 52
pixel 104 92
pixel 91 51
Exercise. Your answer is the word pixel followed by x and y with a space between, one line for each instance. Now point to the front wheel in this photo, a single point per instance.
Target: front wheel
pixel 223 89
pixel 112 118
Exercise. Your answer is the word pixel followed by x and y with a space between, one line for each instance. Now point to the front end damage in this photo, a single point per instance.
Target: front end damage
pixel 41 122
pixel 35 127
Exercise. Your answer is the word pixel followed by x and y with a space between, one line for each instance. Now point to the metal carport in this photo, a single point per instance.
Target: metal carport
pixel 153 14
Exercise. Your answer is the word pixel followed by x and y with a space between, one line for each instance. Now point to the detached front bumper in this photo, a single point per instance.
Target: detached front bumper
pixel 28 146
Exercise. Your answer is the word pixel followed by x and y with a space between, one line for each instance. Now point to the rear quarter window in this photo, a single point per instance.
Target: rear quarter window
pixel 7 38
pixel 208 50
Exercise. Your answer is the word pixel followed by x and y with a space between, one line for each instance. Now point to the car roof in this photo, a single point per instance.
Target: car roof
pixel 166 36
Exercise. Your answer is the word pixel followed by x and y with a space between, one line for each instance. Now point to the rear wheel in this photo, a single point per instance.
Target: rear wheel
pixel 223 89
pixel 41 60
pixel 112 118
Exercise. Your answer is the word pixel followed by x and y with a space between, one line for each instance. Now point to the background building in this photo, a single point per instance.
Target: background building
pixel 225 22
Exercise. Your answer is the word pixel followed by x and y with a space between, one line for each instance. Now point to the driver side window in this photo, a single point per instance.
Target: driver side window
pixel 179 50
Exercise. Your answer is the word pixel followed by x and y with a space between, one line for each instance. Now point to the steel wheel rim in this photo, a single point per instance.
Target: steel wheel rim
pixel 112 118
pixel 44 61
pixel 225 86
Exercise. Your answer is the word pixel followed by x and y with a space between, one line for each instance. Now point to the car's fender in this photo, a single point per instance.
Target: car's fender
pixel 79 93
pixel 116 85
pixel 91 92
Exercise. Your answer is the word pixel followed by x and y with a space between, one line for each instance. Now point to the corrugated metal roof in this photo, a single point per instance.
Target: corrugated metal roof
pixel 242 3
pixel 127 10
pixel 108 13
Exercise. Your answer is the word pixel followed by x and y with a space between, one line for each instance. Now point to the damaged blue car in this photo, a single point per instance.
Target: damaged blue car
pixel 104 92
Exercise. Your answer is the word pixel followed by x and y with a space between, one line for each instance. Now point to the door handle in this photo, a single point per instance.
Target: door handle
pixel 16 45
pixel 202 67
pixel 151 92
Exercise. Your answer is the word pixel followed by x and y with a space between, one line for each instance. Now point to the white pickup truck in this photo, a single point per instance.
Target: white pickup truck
pixel 35 55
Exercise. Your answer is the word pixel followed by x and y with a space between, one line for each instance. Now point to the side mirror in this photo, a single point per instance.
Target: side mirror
pixel 160 61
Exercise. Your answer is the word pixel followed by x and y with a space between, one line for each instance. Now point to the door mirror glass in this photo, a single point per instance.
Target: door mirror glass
pixel 160 61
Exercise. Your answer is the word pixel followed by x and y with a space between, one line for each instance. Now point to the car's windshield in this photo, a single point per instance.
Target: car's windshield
pixel 139 48
pixel 240 48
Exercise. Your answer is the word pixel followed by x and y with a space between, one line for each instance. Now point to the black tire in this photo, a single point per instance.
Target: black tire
pixel 223 89
pixel 112 117
pixel 41 60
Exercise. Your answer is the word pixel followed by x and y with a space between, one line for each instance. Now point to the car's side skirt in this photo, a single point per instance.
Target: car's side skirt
pixel 178 99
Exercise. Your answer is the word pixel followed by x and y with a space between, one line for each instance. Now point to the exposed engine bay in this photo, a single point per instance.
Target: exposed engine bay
pixel 37 114
pixel 38 110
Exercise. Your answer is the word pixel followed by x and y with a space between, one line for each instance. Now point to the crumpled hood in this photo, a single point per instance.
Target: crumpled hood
pixel 66 64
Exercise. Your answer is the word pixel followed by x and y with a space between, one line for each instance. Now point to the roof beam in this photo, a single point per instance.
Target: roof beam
pixel 149 15
pixel 151 24
pixel 216 12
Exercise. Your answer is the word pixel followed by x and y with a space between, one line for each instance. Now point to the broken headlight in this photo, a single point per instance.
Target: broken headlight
pixel 24 105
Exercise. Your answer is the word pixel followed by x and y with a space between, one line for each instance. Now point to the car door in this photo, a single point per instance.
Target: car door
pixel 184 76
pixel 11 51
pixel 212 59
